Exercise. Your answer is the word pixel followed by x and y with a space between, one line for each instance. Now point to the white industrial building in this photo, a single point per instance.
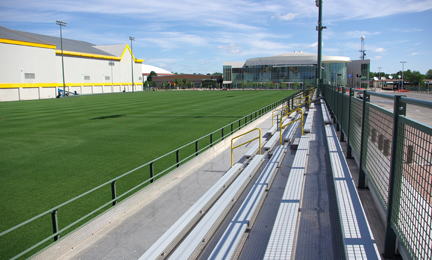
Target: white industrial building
pixel 31 67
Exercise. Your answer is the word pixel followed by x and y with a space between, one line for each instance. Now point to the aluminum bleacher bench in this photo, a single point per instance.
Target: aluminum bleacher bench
pixel 230 242
pixel 196 239
pixel 326 116
pixel 288 135
pixel 173 235
pixel 281 240
pixel 359 242
pixel 272 130
pixel 308 122
pixel 273 140
pixel 254 148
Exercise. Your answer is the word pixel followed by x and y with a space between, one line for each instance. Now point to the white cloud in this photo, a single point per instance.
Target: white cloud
pixel 377 58
pixel 358 34
pixel 379 50
pixel 410 30
pixel 314 45
pixel 415 53
pixel 231 49
pixel 286 17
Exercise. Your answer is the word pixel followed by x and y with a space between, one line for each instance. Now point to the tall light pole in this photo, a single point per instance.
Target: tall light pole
pixel 379 76
pixel 403 62
pixel 319 28
pixel 61 23
pixel 132 39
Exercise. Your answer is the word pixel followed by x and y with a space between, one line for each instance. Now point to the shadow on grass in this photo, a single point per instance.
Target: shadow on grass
pixel 106 117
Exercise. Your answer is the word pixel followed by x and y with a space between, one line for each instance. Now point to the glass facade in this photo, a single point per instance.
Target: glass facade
pixel 334 73
pixel 227 72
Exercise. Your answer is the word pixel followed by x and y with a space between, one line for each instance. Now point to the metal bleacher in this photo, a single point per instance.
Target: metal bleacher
pixel 256 209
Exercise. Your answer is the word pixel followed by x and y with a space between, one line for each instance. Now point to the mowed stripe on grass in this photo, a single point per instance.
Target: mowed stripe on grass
pixel 54 150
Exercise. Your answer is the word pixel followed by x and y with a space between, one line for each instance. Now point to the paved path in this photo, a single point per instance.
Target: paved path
pixel 418 113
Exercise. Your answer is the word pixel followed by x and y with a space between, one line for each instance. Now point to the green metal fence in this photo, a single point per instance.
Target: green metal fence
pixel 394 154
pixel 147 172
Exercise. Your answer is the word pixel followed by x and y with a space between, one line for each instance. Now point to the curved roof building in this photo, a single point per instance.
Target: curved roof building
pixel 289 68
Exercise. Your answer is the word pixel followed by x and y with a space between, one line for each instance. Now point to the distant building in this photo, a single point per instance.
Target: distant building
pixel 196 79
pixel 358 74
pixel 31 67
pixel 295 67
pixel 146 69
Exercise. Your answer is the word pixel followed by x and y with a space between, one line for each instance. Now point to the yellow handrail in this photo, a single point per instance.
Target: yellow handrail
pixel 277 110
pixel 301 123
pixel 309 100
pixel 232 148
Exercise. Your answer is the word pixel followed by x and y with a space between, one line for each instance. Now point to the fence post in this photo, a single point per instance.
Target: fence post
pixel 337 108
pixel 232 128
pixel 178 158
pixel 151 172
pixel 223 133
pixel 211 140
pixel 399 108
pixel 342 136
pixel 349 150
pixel 362 175
pixel 55 224
pixel 196 148
pixel 113 192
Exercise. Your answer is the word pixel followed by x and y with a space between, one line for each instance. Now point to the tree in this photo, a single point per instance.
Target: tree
pixel 428 74
pixel 414 77
pixel 152 74
pixel 184 82
pixel 176 82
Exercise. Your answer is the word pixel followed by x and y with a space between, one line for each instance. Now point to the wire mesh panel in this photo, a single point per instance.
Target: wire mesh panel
pixel 356 125
pixel 376 156
pixel 345 113
pixel 412 214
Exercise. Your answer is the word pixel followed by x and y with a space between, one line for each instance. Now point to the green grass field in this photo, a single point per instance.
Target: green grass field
pixel 53 150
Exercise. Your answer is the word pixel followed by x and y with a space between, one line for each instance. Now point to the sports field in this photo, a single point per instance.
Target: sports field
pixel 53 150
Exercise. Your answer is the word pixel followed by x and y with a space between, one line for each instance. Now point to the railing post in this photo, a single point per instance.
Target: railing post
pixel 196 148
pixel 239 124
pixel 55 224
pixel 211 140
pixel 178 158
pixel 399 108
pixel 223 133
pixel 232 128
pixel 362 175
pixel 342 136
pixel 349 150
pixel 113 192
pixel 151 172
pixel 337 109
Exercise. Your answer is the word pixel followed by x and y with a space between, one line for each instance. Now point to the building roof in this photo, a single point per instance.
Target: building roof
pixel 68 44
pixel 295 58
pixel 146 69
pixel 70 47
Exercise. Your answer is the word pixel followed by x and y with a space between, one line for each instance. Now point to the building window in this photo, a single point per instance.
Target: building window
pixel 106 78
pixel 29 76
pixel 86 77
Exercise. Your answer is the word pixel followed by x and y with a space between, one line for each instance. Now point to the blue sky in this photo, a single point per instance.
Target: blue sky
pixel 196 36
